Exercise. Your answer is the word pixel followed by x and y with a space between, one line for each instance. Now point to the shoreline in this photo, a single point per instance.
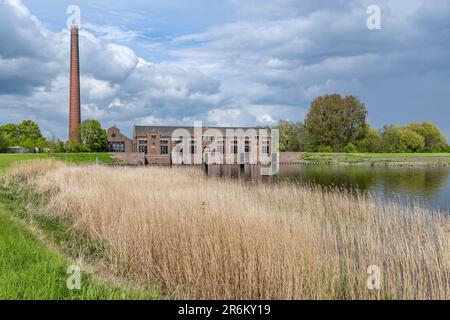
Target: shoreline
pixel 423 160
pixel 373 164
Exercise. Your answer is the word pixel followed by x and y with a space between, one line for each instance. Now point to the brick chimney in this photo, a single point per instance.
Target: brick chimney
pixel 74 104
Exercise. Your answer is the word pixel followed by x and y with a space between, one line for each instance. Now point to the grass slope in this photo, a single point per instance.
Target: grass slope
pixel 28 268
pixel 79 158
pixel 31 271
pixel 433 158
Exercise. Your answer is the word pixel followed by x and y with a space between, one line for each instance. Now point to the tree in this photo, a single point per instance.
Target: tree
pixel 3 142
pixel 435 141
pixel 335 121
pixel 372 141
pixel 402 139
pixel 11 133
pixel 93 136
pixel 290 133
pixel 25 134
pixel 56 146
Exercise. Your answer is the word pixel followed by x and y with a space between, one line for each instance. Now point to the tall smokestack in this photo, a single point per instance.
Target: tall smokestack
pixel 74 104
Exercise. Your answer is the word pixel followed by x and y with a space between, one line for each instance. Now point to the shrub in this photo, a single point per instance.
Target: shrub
pixel 326 149
pixel 74 147
pixel 350 148
pixel 403 139
pixel 372 142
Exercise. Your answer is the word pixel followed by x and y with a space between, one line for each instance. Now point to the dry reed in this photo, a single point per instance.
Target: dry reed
pixel 201 238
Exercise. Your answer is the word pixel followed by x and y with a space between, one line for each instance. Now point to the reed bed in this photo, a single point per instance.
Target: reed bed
pixel 205 238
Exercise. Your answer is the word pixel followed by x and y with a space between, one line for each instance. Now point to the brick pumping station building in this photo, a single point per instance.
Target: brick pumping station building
pixel 157 143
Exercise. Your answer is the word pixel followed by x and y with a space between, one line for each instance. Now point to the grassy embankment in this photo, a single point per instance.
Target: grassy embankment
pixel 36 250
pixel 77 158
pixel 209 238
pixel 379 159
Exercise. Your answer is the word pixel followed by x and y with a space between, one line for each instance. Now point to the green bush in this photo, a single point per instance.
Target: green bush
pixel 372 142
pixel 73 147
pixel 57 146
pixel 326 149
pixel 403 139
pixel 350 148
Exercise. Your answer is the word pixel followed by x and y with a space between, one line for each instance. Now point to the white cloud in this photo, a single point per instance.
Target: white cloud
pixel 225 117
pixel 111 33
pixel 265 119
pixel 116 85
pixel 98 90
pixel 110 62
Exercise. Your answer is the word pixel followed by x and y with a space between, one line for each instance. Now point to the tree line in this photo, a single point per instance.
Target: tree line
pixel 339 124
pixel 28 135
pixel 333 124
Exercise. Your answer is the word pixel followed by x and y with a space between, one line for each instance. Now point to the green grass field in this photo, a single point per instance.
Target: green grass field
pixel 432 158
pixel 29 269
pixel 78 158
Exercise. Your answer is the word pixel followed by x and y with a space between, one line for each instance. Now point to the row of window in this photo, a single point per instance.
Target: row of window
pixel 205 138
pixel 164 147
pixel 166 141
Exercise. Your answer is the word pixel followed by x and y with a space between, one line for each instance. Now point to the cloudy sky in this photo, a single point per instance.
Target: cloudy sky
pixel 225 62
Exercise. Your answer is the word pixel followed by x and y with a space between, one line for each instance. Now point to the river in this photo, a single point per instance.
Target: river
pixel 429 186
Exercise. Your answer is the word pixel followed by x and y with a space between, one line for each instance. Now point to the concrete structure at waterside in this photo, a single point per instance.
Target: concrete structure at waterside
pixel 211 144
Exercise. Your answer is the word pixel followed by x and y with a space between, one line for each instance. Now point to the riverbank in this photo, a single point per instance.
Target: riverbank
pixel 200 238
pixel 378 159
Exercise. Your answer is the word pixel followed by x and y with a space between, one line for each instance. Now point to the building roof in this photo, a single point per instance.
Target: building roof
pixel 142 131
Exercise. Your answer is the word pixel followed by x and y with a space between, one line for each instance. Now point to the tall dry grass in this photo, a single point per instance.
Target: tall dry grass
pixel 203 238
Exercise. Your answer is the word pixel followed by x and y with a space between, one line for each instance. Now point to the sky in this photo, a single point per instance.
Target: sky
pixel 224 62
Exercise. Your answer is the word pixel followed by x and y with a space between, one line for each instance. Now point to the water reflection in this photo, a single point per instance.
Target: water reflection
pixel 431 186
pixel 250 173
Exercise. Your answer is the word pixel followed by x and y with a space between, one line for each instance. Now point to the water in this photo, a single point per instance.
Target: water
pixel 429 186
